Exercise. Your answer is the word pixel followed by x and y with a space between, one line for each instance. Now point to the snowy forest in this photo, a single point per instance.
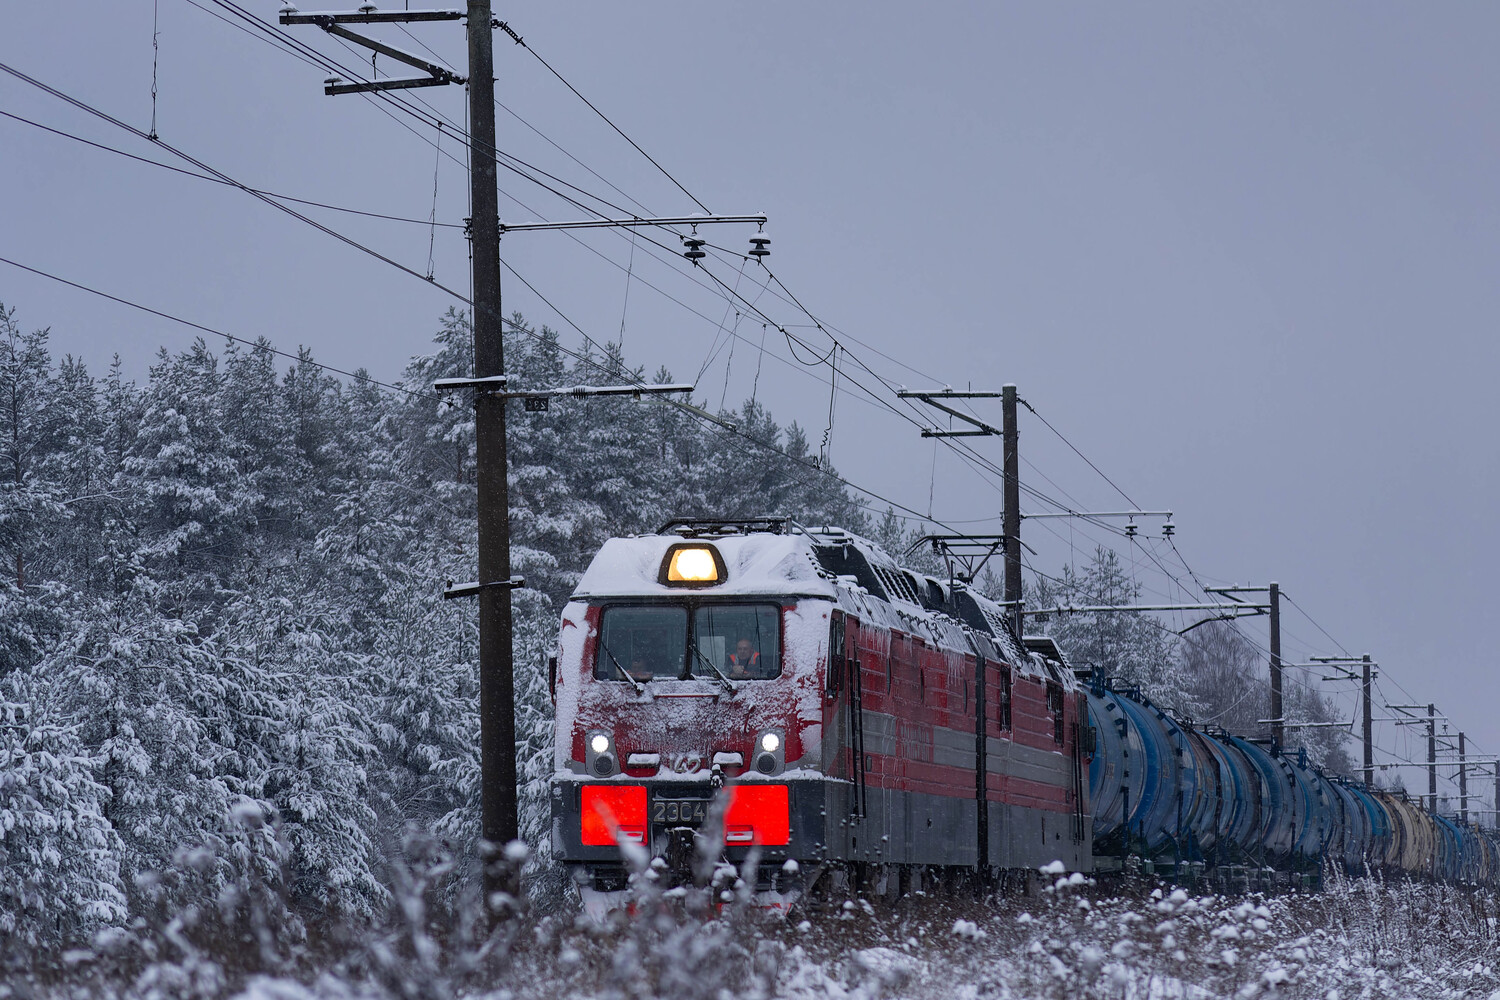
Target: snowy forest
pixel 227 681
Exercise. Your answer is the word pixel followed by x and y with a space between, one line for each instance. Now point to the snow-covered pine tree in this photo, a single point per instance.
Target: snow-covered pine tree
pixel 314 742
pixel 31 506
pixel 190 507
pixel 60 875
pixel 257 435
pixel 165 713
pixel 1128 646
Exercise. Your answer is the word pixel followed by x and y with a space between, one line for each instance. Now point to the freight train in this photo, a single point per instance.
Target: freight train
pixel 795 693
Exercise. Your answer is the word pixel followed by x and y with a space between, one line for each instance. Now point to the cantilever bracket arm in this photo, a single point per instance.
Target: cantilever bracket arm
pixel 290 15
pixel 490 383
pixel 931 397
pixel 473 589
pixel 1219 618
pixel 436 75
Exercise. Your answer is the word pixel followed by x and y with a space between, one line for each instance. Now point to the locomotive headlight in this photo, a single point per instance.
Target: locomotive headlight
pixel 770 751
pixel 691 564
pixel 602 759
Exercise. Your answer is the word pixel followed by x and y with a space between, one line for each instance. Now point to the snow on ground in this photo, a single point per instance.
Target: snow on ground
pixel 1045 937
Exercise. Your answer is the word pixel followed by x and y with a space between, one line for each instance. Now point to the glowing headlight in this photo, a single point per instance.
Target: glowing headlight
pixel 770 742
pixel 692 566
pixel 600 743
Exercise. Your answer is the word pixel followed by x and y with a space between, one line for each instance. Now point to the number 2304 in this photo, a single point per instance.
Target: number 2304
pixel 686 811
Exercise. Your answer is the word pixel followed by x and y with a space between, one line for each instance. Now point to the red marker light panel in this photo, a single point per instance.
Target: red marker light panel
pixel 610 811
pixel 758 814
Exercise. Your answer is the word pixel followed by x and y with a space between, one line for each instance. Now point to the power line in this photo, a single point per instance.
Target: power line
pixel 569 199
pixel 1080 454
pixel 216 180
pixel 282 40
pixel 224 177
pixel 518 40
pixel 261 345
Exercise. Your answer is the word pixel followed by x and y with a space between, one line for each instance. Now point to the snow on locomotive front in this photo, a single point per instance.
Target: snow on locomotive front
pixel 685 666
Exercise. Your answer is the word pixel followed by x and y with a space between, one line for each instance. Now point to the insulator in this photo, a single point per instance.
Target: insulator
pixel 367 7
pixel 287 8
pixel 759 244
pixel 694 249
pixel 1130 530
pixel 1167 529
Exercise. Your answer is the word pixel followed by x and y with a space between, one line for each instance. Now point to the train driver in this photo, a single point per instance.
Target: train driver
pixel 744 662
pixel 639 670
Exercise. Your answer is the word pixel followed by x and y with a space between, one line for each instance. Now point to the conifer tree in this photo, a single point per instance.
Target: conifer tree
pixel 60 871
pixel 1127 646
pixel 30 505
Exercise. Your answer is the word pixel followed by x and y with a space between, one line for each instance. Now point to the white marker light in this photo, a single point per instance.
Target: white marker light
pixel 600 743
pixel 769 742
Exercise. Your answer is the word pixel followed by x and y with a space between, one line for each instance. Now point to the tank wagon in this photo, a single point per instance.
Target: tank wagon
pixel 1167 791
pixel 796 693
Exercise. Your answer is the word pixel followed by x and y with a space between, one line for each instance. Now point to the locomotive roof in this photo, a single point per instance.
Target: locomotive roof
pixel 759 563
pixel 828 563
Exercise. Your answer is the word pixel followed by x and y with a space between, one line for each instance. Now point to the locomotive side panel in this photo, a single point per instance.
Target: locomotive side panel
pixel 918 769
pixel 1034 775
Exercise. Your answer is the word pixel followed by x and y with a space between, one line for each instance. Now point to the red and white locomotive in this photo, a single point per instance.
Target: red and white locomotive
pixel 848 713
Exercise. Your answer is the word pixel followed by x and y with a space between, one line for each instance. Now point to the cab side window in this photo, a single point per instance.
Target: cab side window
pixel 836 655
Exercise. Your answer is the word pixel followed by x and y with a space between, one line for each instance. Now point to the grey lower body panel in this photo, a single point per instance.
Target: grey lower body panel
pixel 1022 837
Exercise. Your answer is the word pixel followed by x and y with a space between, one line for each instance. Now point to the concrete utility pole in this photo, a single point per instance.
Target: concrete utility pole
pixel 1012 523
pixel 1463 780
pixel 1367 730
pixel 1278 720
pixel 1432 757
pixel 1338 663
pixel 497 693
pixel 499 825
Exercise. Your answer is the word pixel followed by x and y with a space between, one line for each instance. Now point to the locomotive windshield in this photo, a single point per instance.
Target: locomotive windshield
pixel 647 642
pixel 657 642
pixel 741 640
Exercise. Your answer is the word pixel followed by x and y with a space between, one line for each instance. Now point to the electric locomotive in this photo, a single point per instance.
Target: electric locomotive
pixel 794 692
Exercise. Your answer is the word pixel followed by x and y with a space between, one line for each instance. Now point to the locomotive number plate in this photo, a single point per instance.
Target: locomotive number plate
pixel 682 812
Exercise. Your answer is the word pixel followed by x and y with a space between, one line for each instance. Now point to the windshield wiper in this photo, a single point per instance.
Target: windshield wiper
pixel 639 687
pixel 723 679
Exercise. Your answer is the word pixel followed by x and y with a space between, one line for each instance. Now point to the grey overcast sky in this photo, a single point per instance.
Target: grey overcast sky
pixel 1244 257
